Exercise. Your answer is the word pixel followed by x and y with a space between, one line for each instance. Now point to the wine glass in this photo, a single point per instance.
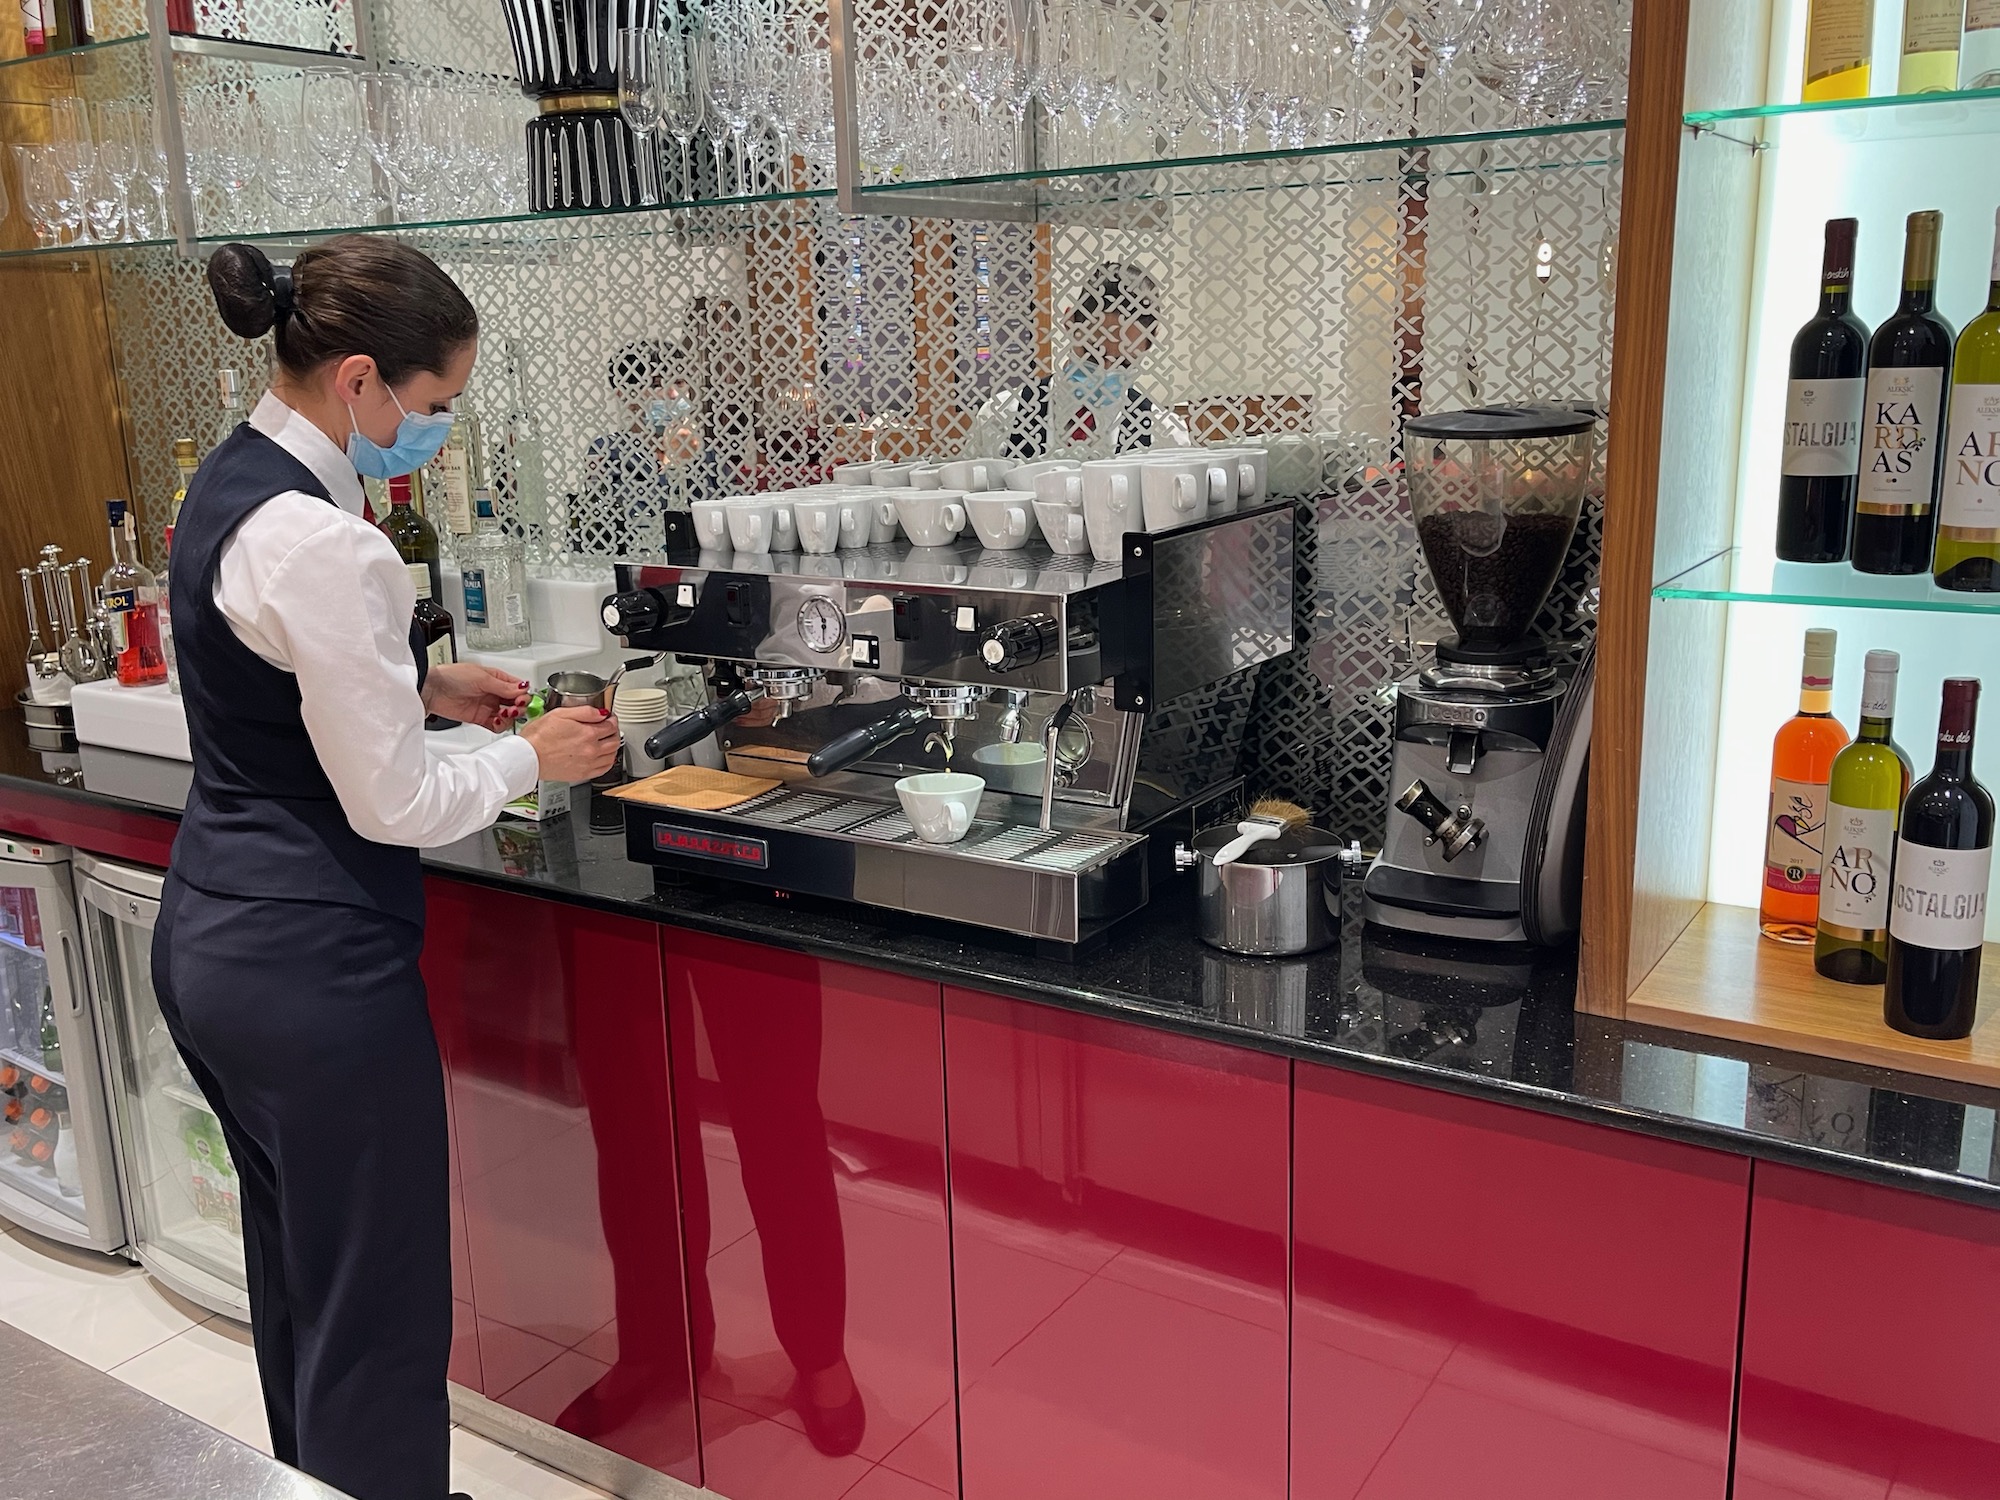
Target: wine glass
pixel 75 156
pixel 42 188
pixel 295 174
pixel 682 92
pixel 639 96
pixel 807 99
pixel 981 43
pixel 1524 54
pixel 732 80
pixel 1449 27
pixel 1223 38
pixel 1358 20
pixel 117 163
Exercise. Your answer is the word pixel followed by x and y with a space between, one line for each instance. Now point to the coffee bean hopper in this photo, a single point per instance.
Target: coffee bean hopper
pixel 1484 837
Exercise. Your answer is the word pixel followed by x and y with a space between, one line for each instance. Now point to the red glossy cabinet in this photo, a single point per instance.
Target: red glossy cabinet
pixel 1118 1229
pixel 1498 1303
pixel 810 1097
pixel 554 1031
pixel 1871 1345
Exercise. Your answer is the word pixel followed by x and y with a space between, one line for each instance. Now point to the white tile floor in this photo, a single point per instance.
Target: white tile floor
pixel 107 1312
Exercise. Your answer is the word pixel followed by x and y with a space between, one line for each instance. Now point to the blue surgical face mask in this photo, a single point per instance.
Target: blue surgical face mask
pixel 656 413
pixel 1098 386
pixel 419 436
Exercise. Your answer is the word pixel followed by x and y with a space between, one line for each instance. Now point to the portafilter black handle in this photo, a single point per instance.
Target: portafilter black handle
pixel 844 750
pixel 698 725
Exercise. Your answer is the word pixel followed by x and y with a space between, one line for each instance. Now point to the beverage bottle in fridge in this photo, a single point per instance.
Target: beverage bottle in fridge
pixel 67 1176
pixel 51 1037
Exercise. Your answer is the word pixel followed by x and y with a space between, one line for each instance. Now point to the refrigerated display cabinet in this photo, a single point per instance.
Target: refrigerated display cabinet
pixel 57 1171
pixel 181 1198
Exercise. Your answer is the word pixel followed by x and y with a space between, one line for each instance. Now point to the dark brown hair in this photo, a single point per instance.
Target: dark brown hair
pixel 354 294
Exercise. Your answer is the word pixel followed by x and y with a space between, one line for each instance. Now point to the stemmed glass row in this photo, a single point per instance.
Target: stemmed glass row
pixel 100 178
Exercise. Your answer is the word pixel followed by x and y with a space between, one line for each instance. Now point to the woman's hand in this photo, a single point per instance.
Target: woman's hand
pixel 475 695
pixel 573 744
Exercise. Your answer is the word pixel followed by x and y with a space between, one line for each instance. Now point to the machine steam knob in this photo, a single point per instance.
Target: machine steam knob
pixel 636 611
pixel 1019 643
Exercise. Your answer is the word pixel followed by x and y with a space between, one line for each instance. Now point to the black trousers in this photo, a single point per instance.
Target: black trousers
pixel 306 1028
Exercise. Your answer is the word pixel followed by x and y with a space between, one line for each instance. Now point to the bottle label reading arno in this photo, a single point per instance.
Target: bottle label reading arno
pixel 1796 837
pixel 1940 896
pixel 1971 495
pixel 1823 427
pixel 1899 439
pixel 1854 884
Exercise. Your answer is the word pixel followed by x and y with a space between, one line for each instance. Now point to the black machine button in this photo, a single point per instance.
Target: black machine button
pixel 1013 644
pixel 740 603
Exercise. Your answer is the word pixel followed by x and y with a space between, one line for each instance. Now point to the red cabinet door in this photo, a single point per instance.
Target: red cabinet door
pixel 811 1104
pixel 1871 1344
pixel 1493 1302
pixel 554 1029
pixel 1118 1232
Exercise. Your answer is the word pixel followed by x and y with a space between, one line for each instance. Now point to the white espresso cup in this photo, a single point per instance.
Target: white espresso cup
pixel 893 476
pixel 1062 527
pixel 931 518
pixel 1023 476
pixel 760 524
pixel 887 522
pixel 1250 473
pixel 817 522
pixel 857 518
pixel 1004 519
pixel 1111 505
pixel 711 524
pixel 930 477
pixel 854 473
pixel 940 804
pixel 973 475
pixel 1062 486
pixel 1177 491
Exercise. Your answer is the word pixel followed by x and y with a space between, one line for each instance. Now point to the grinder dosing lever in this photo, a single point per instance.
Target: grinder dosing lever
pixel 1456 831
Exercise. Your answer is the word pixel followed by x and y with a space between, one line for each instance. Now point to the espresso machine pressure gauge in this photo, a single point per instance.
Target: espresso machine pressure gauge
pixel 822 626
pixel 1019 643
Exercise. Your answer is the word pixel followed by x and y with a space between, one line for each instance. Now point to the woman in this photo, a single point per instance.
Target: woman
pixel 286 952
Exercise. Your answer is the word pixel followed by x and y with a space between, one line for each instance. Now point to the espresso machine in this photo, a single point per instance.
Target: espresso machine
pixel 1103 704
pixel 1484 838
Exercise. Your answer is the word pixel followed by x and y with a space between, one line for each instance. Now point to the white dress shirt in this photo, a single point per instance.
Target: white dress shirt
pixel 321 593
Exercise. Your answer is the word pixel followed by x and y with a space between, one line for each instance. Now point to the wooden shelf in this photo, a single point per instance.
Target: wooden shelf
pixel 1721 978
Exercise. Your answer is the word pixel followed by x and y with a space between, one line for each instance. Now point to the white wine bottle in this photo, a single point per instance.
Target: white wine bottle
pixel 1968 538
pixel 1930 46
pixel 1979 47
pixel 1839 43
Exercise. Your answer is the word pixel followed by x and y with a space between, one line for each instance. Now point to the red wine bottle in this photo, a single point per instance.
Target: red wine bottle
pixel 1822 458
pixel 1944 854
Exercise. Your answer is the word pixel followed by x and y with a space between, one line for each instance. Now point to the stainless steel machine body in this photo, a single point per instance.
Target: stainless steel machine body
pixel 838 674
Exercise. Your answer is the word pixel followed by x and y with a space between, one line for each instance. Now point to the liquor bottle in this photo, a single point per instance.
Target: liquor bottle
pixel 1870 779
pixel 83 22
pixel 229 390
pixel 434 622
pixel 1944 853
pixel 460 467
pixel 1902 417
pixel 495 573
pixel 415 539
pixel 1930 46
pixel 1795 826
pixel 58 25
pixel 1979 47
pixel 34 39
pixel 1968 538
pixel 1839 36
pixel 51 1037
pixel 186 461
pixel 1823 414
pixel 525 464
pixel 131 596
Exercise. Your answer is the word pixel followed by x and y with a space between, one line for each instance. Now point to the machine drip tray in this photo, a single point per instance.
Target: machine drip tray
pixel 884 823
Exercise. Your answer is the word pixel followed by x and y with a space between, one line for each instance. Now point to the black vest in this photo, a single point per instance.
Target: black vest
pixel 262 819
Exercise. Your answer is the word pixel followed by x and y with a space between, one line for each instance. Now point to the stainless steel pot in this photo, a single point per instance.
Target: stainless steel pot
pixel 1272 899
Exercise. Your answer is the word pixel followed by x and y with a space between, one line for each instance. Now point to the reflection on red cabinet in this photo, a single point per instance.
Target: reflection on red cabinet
pixel 1118 1227
pixel 811 1109
pixel 554 1031
pixel 1871 1345
pixel 1492 1302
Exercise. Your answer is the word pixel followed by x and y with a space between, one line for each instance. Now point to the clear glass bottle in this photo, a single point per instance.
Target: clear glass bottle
pixel 229 390
pixel 131 594
pixel 495 574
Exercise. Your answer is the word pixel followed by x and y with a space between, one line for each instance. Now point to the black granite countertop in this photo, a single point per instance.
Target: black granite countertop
pixel 1457 1017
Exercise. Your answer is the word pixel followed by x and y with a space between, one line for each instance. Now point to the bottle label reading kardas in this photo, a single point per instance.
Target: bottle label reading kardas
pixel 1899 440
pixel 475 596
pixel 1854 884
pixel 1972 459
pixel 1940 896
pixel 1823 427
pixel 1796 837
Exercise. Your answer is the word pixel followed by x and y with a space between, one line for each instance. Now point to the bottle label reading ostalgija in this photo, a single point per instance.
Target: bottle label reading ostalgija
pixel 1971 495
pixel 1823 427
pixel 1940 899
pixel 1854 884
pixel 1795 837
pixel 475 596
pixel 1899 439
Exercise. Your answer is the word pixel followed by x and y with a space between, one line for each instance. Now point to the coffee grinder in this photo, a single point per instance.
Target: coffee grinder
pixel 1485 825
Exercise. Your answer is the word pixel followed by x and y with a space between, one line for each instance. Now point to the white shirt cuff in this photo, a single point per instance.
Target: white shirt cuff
pixel 520 768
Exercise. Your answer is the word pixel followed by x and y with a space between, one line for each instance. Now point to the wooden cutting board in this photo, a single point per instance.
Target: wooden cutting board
pixel 695 789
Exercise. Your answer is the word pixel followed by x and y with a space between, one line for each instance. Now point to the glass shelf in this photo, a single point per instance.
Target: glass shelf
pixel 1842 106
pixel 1055 186
pixel 69 54
pixel 1736 577
pixel 194 45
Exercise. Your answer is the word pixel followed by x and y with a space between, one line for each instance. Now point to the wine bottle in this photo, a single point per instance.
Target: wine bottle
pixel 1870 779
pixel 1930 46
pixel 1968 538
pixel 416 540
pixel 1979 47
pixel 1795 826
pixel 1823 414
pixel 1944 854
pixel 1902 423
pixel 1839 38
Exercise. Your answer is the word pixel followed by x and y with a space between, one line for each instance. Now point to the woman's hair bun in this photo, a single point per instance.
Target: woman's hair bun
pixel 245 289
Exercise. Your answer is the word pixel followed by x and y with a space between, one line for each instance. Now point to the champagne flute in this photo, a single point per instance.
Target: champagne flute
pixel 639 97
pixel 681 97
